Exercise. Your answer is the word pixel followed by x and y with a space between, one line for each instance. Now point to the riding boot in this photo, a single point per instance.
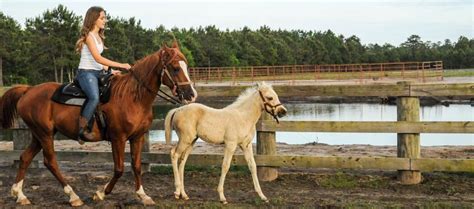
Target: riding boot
pixel 84 133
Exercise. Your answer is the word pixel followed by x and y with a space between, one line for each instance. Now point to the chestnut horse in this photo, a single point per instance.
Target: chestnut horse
pixel 128 115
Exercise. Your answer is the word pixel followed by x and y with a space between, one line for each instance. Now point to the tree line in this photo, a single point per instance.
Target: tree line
pixel 44 49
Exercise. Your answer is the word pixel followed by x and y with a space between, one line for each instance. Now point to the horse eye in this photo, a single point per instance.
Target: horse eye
pixel 270 98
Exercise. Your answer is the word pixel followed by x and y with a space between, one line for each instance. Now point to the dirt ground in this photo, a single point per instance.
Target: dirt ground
pixel 300 188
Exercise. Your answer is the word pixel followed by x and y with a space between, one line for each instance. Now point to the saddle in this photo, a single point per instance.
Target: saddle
pixel 72 94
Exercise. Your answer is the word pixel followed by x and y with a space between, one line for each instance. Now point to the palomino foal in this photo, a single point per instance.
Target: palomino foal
pixel 233 125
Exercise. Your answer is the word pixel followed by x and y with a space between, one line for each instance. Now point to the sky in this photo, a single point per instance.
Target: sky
pixel 383 21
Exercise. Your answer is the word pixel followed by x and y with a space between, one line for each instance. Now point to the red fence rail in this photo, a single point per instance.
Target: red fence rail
pixel 414 70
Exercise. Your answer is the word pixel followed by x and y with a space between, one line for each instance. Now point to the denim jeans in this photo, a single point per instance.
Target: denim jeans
pixel 89 81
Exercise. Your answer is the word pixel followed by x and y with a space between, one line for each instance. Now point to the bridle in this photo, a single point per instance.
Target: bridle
pixel 272 107
pixel 176 84
pixel 166 72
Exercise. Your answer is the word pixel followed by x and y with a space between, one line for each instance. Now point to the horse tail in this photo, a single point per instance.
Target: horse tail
pixel 169 125
pixel 8 104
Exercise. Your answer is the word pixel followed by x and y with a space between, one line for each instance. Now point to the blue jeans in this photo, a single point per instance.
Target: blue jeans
pixel 89 81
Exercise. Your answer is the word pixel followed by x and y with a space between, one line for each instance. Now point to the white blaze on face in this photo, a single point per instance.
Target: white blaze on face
pixel 184 66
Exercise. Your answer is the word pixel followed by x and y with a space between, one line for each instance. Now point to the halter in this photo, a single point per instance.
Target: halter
pixel 272 107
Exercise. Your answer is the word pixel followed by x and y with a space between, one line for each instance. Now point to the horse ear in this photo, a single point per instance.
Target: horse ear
pixel 175 44
pixel 164 45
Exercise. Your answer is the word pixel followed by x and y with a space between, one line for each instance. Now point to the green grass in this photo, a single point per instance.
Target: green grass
pixel 459 73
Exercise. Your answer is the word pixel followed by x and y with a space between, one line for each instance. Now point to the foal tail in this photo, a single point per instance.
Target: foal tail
pixel 169 125
pixel 8 104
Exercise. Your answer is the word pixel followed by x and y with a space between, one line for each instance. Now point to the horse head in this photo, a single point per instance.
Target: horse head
pixel 270 101
pixel 175 73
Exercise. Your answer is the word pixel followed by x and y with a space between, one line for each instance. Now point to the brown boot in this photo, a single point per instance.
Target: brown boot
pixel 83 132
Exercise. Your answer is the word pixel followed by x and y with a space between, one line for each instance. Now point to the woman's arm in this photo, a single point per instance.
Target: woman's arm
pixel 102 60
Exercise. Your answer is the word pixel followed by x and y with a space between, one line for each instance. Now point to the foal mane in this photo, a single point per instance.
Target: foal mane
pixel 127 84
pixel 248 93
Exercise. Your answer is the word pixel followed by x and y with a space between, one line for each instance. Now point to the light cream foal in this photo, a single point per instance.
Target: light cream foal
pixel 233 125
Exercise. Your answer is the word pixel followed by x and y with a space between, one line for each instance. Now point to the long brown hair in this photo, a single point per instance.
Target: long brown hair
pixel 91 17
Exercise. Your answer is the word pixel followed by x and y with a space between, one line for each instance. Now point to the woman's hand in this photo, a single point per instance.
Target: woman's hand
pixel 115 72
pixel 125 66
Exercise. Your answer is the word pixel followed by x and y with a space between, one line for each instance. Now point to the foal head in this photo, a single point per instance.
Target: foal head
pixel 175 74
pixel 270 101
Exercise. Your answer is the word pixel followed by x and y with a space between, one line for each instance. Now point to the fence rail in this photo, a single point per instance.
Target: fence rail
pixel 408 127
pixel 404 70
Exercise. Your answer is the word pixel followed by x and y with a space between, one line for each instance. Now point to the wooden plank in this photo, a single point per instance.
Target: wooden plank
pixel 433 164
pixel 368 126
pixel 372 90
pixel 391 163
pixel 334 162
pixel 455 89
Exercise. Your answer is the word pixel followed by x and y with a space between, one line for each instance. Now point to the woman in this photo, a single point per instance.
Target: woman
pixel 90 45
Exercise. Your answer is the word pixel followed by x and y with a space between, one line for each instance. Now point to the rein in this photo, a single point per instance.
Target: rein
pixel 273 107
pixel 168 98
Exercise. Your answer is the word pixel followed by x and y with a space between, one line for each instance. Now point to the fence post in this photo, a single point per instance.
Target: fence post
pixel 408 144
pixel 266 145
pixel 22 137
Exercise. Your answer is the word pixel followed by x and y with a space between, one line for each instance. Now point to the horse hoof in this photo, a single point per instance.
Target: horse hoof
pixel 224 202
pixel 148 202
pixel 176 195
pixel 185 197
pixel 77 203
pixel 98 196
pixel 24 201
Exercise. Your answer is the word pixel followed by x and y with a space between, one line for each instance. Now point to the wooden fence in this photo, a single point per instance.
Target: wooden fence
pixel 408 128
pixel 375 71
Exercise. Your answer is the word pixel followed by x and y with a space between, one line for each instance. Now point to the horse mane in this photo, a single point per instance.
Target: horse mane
pixel 128 85
pixel 248 93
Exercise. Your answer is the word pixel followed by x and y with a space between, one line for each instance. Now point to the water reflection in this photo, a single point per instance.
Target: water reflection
pixel 358 112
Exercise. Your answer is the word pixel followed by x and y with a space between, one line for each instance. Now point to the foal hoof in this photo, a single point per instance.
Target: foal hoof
pixel 98 196
pixel 23 201
pixel 148 202
pixel 224 202
pixel 77 203
pixel 176 195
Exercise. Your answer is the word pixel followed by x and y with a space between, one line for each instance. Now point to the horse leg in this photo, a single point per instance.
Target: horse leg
pixel 248 153
pixel 118 152
pixel 176 153
pixel 228 152
pixel 51 163
pixel 135 152
pixel 25 160
pixel 181 168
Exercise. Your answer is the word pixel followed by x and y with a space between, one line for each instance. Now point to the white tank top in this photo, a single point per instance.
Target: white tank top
pixel 87 60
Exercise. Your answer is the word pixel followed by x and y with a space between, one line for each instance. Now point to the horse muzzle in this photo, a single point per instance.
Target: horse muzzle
pixel 280 111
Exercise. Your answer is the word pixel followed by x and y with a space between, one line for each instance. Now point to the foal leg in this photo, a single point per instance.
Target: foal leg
pixel 136 151
pixel 176 153
pixel 25 160
pixel 228 152
pixel 248 153
pixel 182 164
pixel 118 152
pixel 51 163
